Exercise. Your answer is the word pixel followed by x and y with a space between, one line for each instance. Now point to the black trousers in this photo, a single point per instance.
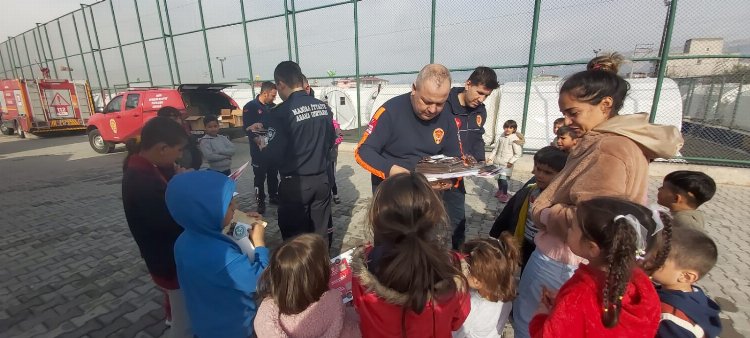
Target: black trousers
pixel 263 172
pixel 305 206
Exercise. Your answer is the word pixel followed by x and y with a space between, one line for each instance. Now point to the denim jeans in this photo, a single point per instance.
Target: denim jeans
pixel 539 271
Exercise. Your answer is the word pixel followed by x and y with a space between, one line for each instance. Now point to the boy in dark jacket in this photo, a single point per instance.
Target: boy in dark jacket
pixel 515 217
pixel 685 310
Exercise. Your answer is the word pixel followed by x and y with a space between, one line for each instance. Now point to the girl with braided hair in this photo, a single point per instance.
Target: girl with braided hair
pixel 612 295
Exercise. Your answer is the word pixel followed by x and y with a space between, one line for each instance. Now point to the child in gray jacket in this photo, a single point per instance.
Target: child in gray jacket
pixel 217 149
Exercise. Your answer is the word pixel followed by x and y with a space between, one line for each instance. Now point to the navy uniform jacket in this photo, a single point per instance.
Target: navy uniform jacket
pixel 470 123
pixel 300 136
pixel 397 136
pixel 254 112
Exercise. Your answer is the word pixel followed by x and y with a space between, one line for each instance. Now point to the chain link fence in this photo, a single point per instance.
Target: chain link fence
pixel 688 60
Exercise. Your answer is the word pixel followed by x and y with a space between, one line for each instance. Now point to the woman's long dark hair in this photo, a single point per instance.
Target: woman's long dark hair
pixel 406 216
pixel 157 130
pixel 617 241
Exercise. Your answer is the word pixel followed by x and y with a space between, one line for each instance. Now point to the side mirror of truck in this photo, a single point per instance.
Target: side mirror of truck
pixel 99 110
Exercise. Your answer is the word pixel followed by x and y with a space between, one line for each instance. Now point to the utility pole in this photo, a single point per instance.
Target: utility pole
pixel 221 60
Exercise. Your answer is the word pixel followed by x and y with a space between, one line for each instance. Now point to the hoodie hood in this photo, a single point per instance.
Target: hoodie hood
pixel 656 141
pixel 199 200
pixel 699 308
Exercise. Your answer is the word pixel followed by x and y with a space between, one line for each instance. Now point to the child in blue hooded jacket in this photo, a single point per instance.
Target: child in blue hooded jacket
pixel 218 280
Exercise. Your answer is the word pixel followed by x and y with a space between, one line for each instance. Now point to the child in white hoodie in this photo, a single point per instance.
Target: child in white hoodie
pixel 217 149
pixel 507 151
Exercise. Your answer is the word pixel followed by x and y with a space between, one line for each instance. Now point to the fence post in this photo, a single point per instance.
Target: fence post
pixel 737 101
pixel 205 41
pixel 2 62
pixel 119 43
pixel 663 58
pixel 93 55
pixel 51 55
pixel 39 56
pixel 356 68
pixel 65 50
pixel 99 49
pixel 171 40
pixel 143 43
pixel 10 57
pixel 28 57
pixel 18 57
pixel 294 28
pixel 432 33
pixel 288 38
pixel 247 49
pixel 164 40
pixel 530 65
pixel 80 48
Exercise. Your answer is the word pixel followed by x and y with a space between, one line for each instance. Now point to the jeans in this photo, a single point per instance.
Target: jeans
pixel 539 271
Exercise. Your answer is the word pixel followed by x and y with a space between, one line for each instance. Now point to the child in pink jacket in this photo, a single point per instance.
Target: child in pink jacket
pixel 296 299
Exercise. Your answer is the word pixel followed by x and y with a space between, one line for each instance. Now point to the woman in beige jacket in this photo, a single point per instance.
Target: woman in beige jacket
pixel 610 159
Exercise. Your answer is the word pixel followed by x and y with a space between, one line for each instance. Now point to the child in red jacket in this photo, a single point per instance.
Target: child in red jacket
pixel 611 296
pixel 407 283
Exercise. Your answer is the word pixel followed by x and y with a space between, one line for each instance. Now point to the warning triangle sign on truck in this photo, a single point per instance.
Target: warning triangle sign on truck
pixel 59 101
pixel 60 105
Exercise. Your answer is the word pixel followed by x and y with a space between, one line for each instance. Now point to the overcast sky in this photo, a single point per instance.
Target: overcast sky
pixel 394 35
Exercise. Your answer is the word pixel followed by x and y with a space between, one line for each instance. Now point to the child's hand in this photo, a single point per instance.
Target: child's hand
pixel 442 184
pixel 509 165
pixel 258 234
pixel 254 214
pixel 489 162
pixel 547 301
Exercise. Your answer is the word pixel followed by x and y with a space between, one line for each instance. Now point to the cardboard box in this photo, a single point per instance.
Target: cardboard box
pixel 195 122
pixel 225 125
pixel 225 118
pixel 237 121
pixel 226 112
pixel 237 112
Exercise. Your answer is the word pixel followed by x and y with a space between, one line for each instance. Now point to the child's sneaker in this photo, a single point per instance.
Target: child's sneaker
pixel 498 194
pixel 504 198
pixel 336 199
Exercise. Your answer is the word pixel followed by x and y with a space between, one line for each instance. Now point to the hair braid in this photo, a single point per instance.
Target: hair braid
pixel 621 257
pixel 660 252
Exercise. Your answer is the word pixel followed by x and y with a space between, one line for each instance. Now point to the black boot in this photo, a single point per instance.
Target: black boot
pixel 261 205
pixel 273 199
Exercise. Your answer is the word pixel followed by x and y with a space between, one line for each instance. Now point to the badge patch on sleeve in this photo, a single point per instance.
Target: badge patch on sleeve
pixel 479 120
pixel 438 134
pixel 271 134
pixel 371 126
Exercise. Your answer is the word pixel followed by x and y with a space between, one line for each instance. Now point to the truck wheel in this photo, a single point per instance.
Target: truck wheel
pixel 5 130
pixel 98 143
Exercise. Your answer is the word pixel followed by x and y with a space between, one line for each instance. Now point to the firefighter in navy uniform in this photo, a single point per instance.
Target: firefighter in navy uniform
pixel 467 105
pixel 254 112
pixel 409 127
pixel 300 136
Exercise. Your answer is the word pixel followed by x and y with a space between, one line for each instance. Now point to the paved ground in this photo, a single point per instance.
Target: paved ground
pixel 69 267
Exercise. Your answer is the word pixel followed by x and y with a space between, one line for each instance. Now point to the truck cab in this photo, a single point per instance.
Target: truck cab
pixel 125 114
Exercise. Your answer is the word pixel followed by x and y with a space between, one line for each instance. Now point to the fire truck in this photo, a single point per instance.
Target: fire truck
pixel 44 106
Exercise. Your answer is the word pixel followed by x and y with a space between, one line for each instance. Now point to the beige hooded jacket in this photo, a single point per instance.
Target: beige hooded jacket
pixel 610 160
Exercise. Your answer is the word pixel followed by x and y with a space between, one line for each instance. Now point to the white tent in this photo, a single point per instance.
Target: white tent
pixel 343 103
pixel 543 108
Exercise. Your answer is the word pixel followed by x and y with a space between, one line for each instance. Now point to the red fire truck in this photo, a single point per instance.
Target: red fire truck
pixel 44 106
